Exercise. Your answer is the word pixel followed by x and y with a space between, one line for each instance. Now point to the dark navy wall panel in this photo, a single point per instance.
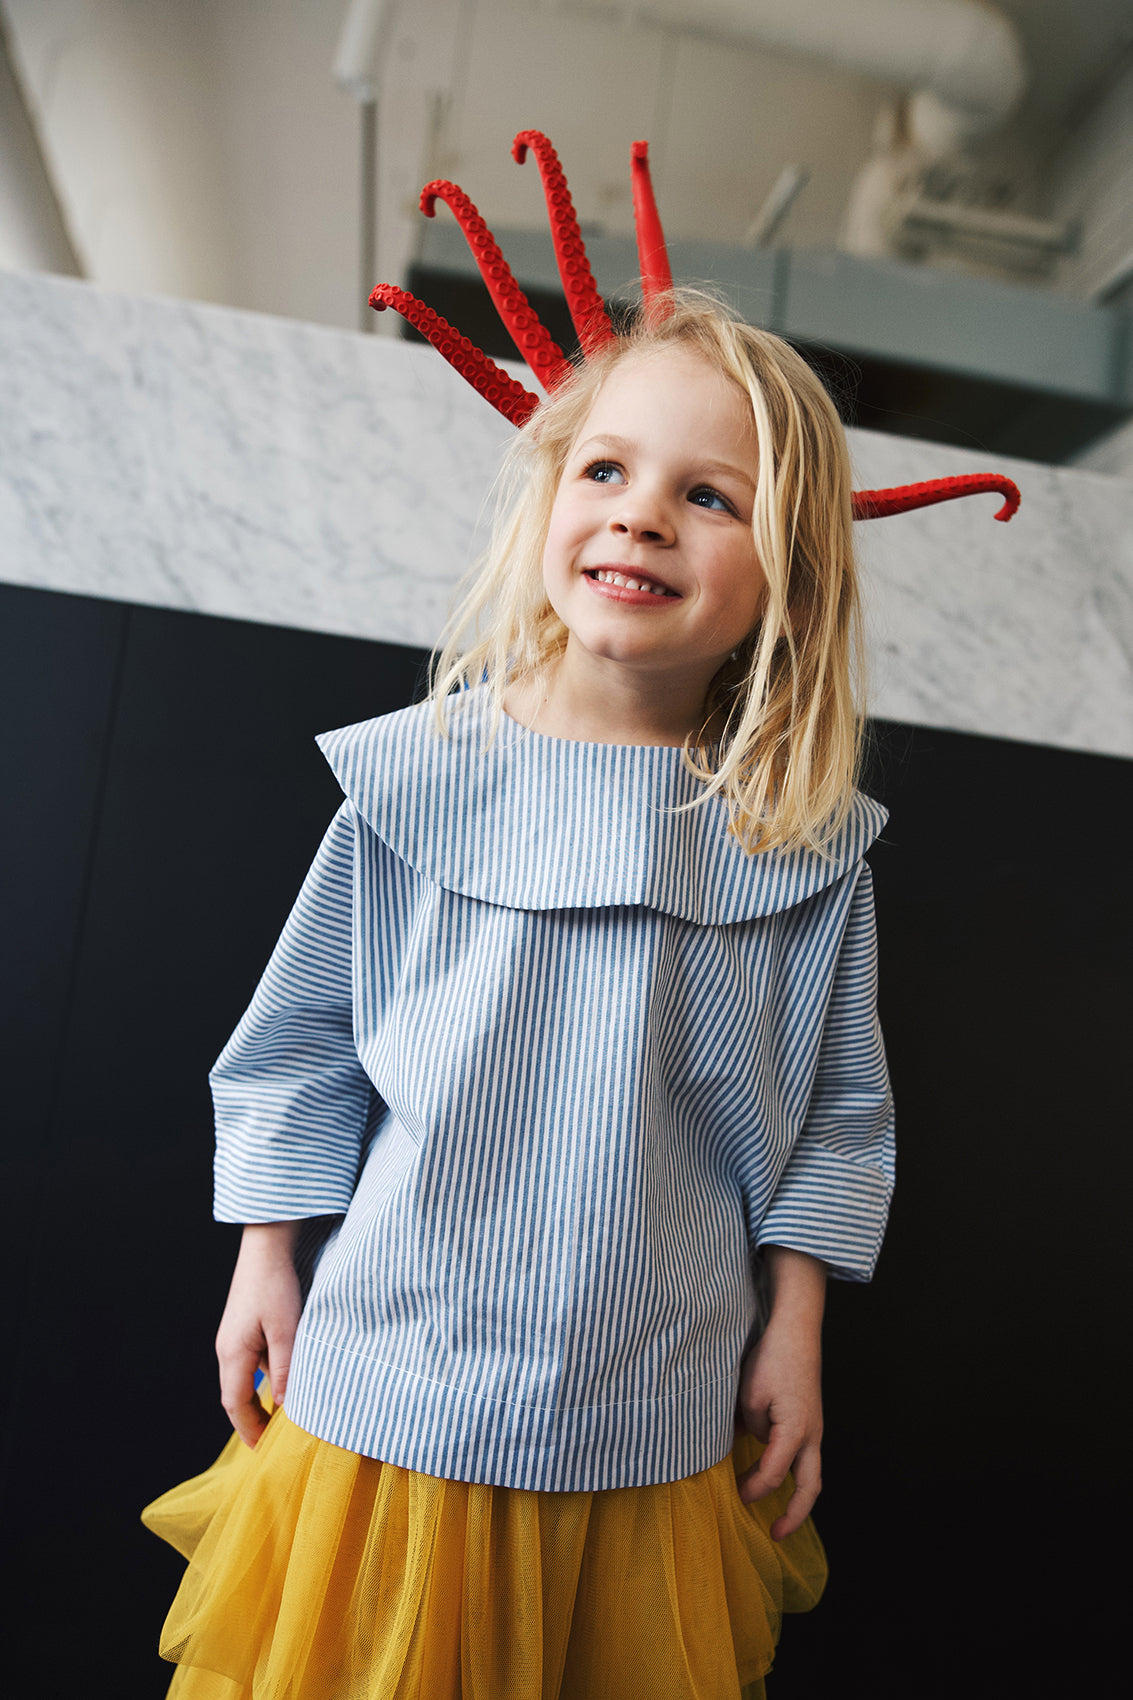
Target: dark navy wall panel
pixel 973 1391
pixel 167 798
pixel 59 660
pixel 170 799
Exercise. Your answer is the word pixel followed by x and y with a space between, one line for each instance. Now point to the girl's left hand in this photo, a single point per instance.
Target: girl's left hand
pixel 780 1397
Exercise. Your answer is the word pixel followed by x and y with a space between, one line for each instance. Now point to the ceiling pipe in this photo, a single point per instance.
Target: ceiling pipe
pixel 358 63
pixel 34 235
pixel 1041 234
pixel 361 47
pixel 788 186
pixel 961 59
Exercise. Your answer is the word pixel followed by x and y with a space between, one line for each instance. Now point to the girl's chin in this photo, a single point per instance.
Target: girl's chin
pixel 621 652
pixel 637 665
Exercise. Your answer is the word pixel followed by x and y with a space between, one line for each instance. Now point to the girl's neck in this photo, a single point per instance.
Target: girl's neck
pixel 612 707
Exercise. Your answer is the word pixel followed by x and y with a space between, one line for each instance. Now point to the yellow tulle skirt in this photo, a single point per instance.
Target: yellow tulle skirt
pixel 315 1574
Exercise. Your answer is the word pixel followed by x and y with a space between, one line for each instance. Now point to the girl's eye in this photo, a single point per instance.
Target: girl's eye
pixel 604 472
pixel 704 496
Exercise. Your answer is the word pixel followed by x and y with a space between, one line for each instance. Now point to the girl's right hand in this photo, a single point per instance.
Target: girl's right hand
pixel 257 1330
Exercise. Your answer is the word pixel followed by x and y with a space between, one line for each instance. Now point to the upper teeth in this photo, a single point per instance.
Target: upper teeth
pixel 605 576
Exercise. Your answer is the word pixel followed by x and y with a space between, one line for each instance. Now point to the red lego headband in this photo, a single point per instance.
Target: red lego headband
pixel 591 320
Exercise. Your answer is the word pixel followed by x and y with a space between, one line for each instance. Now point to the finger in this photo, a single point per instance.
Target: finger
pixel 249 1420
pixel 808 1486
pixel 278 1367
pixel 238 1395
pixel 771 1470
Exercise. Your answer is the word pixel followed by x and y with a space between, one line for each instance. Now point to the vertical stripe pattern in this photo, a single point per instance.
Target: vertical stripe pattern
pixel 616 1055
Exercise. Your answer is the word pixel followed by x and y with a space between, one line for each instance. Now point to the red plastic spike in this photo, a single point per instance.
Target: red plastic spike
pixel 505 394
pixel 652 255
pixel 530 335
pixel 879 504
pixel 587 308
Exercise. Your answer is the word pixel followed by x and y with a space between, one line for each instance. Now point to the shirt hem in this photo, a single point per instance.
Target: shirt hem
pixel 380 1410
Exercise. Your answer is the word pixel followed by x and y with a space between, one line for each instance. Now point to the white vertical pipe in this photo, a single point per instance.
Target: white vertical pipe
pixel 361 46
pixel 358 64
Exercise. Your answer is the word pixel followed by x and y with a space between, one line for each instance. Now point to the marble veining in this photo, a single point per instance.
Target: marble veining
pixel 1022 630
pixel 195 457
pixel 192 457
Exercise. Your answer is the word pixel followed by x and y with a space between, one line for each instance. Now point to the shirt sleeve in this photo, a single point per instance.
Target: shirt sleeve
pixel 292 1100
pixel 833 1197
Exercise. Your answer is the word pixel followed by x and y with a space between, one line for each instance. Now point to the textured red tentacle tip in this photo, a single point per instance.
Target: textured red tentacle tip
pixel 988 483
pixel 1012 498
pixel 903 498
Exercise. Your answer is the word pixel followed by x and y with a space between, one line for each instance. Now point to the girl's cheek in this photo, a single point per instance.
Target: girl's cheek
pixel 556 550
pixel 553 576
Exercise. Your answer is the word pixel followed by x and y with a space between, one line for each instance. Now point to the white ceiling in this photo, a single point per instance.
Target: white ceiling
pixel 201 148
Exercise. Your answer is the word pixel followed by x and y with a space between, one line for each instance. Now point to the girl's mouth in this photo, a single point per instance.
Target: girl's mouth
pixel 624 585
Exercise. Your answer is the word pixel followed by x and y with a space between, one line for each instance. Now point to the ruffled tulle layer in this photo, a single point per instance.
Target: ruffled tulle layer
pixel 318 1575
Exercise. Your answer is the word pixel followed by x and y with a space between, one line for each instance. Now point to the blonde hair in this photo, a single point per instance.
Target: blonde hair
pixel 781 737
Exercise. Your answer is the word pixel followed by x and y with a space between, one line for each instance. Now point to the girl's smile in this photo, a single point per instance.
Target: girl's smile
pixel 624 586
pixel 650 561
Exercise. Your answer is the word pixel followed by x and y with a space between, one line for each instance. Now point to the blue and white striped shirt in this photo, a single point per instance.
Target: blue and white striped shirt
pixel 566 1059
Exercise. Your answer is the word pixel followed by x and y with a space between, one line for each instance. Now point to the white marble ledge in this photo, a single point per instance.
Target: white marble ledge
pixel 190 456
pixel 1020 630
pixel 195 457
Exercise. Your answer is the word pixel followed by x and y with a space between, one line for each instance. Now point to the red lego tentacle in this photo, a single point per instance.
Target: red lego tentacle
pixel 587 308
pixel 530 335
pixel 505 394
pixel 652 255
pixel 879 504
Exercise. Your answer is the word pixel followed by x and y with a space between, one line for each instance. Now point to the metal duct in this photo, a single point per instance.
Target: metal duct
pixel 961 57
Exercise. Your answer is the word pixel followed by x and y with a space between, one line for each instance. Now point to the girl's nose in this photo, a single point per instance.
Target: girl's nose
pixel 643 519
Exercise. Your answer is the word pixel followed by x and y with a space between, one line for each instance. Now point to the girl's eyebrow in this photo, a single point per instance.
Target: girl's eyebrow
pixel 716 468
pixel 620 444
pixel 704 468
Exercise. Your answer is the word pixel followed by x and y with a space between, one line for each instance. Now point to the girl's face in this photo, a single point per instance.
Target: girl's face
pixel 650 561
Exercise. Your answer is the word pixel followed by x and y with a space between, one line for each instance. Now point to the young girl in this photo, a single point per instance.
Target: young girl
pixel 567 1048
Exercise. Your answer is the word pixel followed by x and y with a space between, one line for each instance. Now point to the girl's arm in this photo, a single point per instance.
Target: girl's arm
pixel 832 1198
pixel 257 1330
pixel 780 1397
pixel 292 1098
pixel 294 1107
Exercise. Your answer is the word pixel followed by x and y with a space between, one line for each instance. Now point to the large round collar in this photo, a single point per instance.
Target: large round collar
pixel 531 822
